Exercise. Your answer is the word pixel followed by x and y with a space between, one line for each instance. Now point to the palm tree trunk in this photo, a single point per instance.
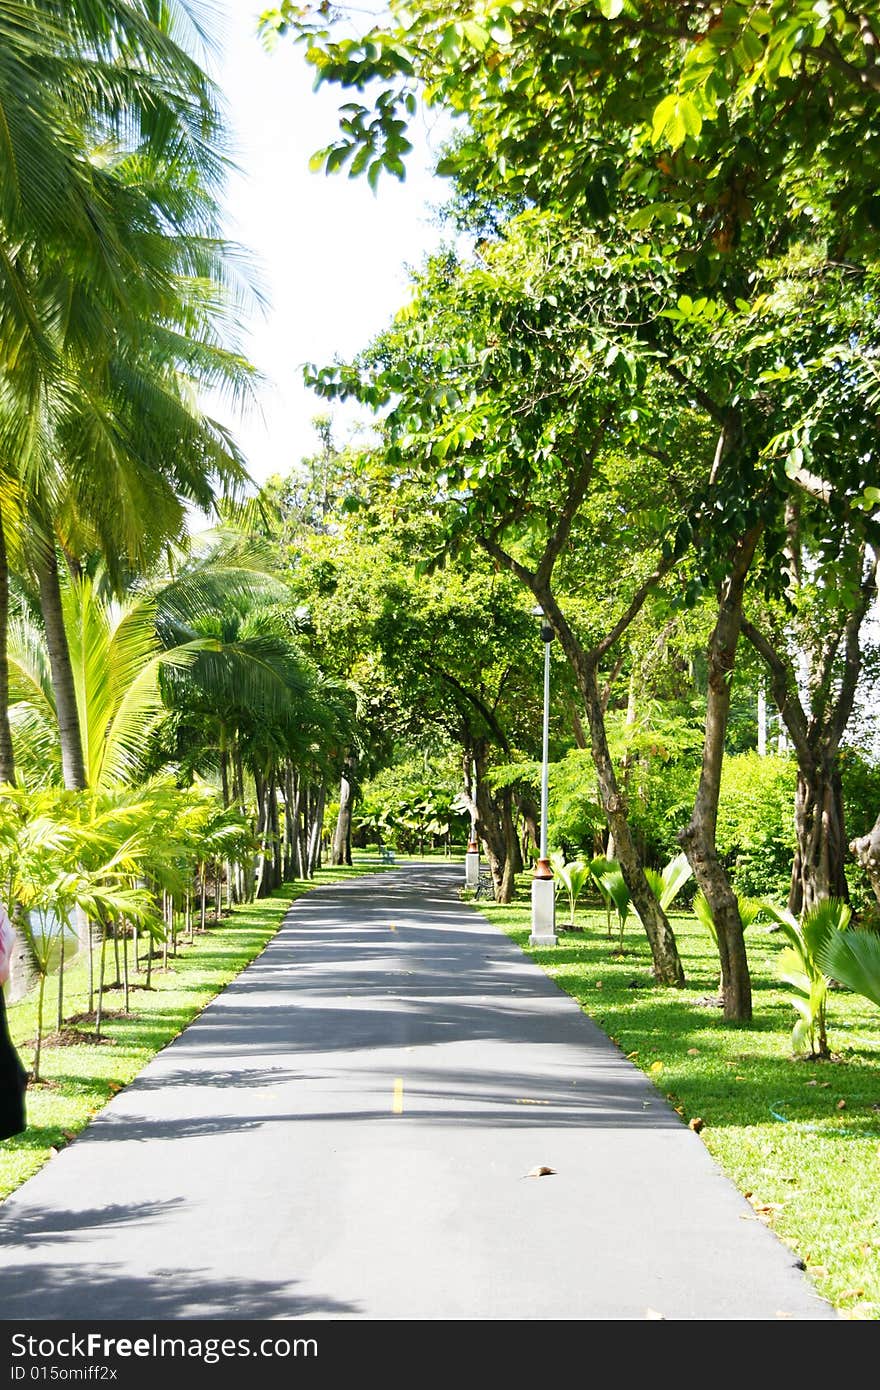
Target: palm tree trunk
pixel 261 886
pixel 60 1016
pixel 341 851
pixel 73 766
pixel 124 966
pixel 302 827
pixel 39 1041
pixel 72 758
pixel 99 1012
pixel 317 825
pixel 23 965
pixel 7 756
pixel 274 830
pixel 23 969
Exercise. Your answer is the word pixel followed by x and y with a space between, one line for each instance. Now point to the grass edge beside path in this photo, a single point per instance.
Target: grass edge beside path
pixel 800 1138
pixel 81 1078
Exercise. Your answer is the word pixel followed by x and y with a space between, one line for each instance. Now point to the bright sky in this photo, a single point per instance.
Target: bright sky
pixel 333 255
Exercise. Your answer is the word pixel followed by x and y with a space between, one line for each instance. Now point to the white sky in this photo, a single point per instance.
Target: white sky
pixel 333 255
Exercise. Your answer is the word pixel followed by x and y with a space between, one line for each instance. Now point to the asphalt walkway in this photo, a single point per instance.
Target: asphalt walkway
pixel 346 1131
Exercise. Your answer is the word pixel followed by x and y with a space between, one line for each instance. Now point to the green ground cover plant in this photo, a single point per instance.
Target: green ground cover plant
pixel 799 1137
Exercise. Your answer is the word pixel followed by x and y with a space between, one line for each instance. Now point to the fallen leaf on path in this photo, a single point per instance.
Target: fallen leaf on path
pixel 540 1171
pixel 696 1124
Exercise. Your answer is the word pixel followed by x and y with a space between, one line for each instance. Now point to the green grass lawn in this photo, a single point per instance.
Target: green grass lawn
pixel 800 1138
pixel 81 1077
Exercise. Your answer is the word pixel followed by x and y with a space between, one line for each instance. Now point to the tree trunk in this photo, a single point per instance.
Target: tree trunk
pixel 668 968
pixel 73 765
pixel 303 827
pixel 867 851
pixel 224 766
pixel 72 758
pixel 277 863
pixel 313 853
pixel 7 757
pixel 513 863
pixel 698 838
pixel 24 970
pixel 488 823
pixel 261 887
pixel 816 733
pixel 818 868
pixel 341 851
pixel 294 867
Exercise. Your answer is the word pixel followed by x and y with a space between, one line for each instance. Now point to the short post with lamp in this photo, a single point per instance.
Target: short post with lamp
pixel 543 888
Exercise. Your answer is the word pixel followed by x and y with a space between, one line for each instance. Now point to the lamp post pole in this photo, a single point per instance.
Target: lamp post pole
pixel 543 895
pixel 472 858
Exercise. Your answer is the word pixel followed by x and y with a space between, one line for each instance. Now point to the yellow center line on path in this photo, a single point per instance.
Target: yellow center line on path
pixel 397 1099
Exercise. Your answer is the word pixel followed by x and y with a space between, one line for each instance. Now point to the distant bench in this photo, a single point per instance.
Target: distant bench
pixel 386 856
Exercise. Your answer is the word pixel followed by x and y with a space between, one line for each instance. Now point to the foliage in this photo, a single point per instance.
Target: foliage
pixel 415 799
pixel 755 821
pixel 574 877
pixel 667 884
pixel 750 910
pixel 853 958
pixel 613 885
pixel 800 966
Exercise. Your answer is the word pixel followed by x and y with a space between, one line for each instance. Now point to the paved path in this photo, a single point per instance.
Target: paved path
pixel 344 1133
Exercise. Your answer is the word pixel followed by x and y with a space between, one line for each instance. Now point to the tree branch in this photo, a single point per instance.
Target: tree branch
pixel 632 609
pixel 575 495
pixel 853 653
pixel 492 547
pixel 784 687
pixel 612 677
pixel 717 412
pixel 823 491
pixel 868 76
pixel 478 704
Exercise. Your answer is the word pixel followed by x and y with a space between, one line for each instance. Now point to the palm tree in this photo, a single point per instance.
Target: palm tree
pixel 119 307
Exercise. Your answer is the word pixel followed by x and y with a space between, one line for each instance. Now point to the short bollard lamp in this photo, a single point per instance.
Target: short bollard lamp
pixel 543 894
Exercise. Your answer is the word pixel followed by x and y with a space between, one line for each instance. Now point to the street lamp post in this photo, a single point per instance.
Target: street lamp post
pixel 472 858
pixel 543 894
